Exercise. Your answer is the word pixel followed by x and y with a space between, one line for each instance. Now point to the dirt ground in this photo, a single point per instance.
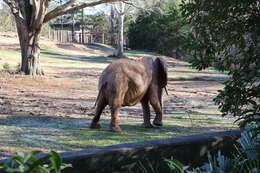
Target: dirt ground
pixel 65 96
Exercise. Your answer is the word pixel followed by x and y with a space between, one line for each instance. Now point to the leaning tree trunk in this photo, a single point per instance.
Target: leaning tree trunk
pixel 113 34
pixel 120 48
pixel 120 44
pixel 29 28
pixel 30 51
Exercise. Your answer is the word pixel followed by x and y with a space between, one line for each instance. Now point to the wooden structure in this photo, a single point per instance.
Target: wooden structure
pixel 77 33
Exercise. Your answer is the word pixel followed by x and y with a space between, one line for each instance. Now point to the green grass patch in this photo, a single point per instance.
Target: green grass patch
pixel 10 57
pixel 67 133
pixel 189 73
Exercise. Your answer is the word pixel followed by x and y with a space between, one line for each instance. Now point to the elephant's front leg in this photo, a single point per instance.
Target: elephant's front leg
pixel 115 119
pixel 146 113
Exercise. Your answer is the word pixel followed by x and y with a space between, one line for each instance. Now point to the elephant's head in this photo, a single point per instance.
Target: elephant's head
pixel 160 75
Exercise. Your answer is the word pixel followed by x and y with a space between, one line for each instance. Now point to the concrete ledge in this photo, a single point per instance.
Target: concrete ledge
pixel 188 149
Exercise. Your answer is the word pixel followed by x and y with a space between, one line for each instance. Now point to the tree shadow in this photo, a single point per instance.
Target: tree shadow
pixel 100 47
pixel 38 104
pixel 79 58
pixel 86 72
pixel 69 133
pixel 200 78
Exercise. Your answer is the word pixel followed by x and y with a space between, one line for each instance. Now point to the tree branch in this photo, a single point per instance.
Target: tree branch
pixel 39 9
pixel 137 7
pixel 61 11
pixel 16 12
pixel 120 11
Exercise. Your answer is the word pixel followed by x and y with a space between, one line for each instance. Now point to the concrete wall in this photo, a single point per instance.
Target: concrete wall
pixel 118 158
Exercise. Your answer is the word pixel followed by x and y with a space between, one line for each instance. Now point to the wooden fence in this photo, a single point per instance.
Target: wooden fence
pixel 64 36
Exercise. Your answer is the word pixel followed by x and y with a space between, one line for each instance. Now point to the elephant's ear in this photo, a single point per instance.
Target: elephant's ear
pixel 162 73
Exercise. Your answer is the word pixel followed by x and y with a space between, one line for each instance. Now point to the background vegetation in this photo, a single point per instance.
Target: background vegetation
pixel 225 35
pixel 162 31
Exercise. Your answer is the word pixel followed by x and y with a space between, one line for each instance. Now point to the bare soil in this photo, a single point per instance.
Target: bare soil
pixel 34 109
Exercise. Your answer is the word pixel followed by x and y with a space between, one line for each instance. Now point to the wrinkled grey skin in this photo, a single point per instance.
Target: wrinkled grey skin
pixel 126 82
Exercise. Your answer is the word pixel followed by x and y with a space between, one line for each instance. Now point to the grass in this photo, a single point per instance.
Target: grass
pixel 188 73
pixel 10 57
pixel 65 133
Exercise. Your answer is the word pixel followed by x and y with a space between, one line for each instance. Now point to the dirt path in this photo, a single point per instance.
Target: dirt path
pixel 53 111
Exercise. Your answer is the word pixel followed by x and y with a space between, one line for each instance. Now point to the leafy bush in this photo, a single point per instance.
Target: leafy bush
pixel 29 163
pixel 159 32
pixel 246 159
pixel 225 34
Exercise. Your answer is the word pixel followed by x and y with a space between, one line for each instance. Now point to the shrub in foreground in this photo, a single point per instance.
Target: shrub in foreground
pixel 29 163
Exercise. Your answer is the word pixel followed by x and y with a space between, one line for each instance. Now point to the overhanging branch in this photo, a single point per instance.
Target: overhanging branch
pixel 58 11
pixel 16 12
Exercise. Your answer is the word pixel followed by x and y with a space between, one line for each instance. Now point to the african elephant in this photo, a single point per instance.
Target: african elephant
pixel 125 82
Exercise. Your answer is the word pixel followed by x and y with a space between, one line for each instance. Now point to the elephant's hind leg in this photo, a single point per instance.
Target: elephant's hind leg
pixel 115 119
pixel 146 113
pixel 101 104
pixel 158 111
pixel 116 100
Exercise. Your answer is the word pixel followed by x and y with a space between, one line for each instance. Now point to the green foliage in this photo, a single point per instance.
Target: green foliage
pixel 225 34
pixel 7 22
pixel 29 163
pixel 100 22
pixel 250 143
pixel 148 168
pixel 246 159
pixel 160 32
pixel 46 30
pixel 176 166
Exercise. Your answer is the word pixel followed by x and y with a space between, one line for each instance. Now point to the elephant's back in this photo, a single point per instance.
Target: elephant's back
pixel 119 69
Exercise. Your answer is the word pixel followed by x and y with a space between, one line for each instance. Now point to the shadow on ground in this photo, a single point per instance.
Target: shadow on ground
pixel 68 133
pixel 81 58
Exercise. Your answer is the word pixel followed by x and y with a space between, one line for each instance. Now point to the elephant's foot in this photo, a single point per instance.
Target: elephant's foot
pixel 157 122
pixel 116 129
pixel 147 125
pixel 95 126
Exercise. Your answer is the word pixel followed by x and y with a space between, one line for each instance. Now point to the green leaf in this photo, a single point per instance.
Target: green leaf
pixel 18 159
pixel 37 163
pixel 56 161
pixel 175 164
pixel 31 155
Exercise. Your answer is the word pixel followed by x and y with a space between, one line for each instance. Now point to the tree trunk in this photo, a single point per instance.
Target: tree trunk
pixel 73 35
pixel 113 26
pixel 30 51
pixel 82 27
pixel 120 47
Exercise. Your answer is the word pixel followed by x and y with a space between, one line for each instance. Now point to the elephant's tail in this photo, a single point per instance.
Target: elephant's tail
pixel 99 93
pixel 166 90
